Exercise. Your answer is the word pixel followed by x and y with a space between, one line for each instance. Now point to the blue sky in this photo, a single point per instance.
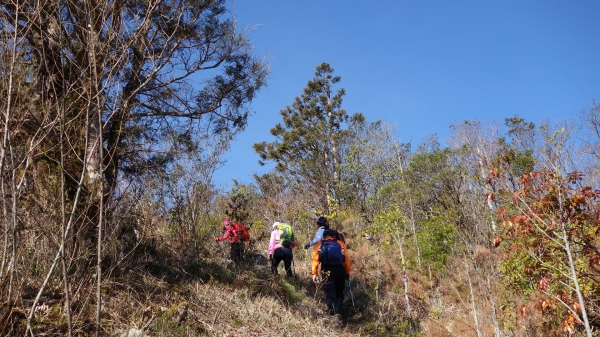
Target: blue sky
pixel 422 65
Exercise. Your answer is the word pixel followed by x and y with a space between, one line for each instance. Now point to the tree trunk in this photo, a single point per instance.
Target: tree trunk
pixel 584 315
pixel 473 306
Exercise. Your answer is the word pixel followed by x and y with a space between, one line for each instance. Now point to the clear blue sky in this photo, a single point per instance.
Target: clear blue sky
pixel 422 65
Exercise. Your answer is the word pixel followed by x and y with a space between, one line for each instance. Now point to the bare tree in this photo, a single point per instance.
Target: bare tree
pixel 136 65
pixel 478 148
pixel 97 96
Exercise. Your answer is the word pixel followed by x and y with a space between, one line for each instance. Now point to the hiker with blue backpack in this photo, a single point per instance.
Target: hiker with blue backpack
pixel 332 256
pixel 280 247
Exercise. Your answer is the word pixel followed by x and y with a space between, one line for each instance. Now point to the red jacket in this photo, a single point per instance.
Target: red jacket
pixel 230 233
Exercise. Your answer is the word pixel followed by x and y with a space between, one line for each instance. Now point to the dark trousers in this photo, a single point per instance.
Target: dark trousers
pixel 285 254
pixel 237 251
pixel 334 281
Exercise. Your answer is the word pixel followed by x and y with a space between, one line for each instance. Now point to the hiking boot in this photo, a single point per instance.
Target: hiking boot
pixel 330 309
pixel 337 320
pixel 336 309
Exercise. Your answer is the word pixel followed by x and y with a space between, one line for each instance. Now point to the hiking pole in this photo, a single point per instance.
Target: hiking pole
pixel 351 295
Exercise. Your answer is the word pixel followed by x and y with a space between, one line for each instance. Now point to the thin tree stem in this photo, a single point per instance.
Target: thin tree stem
pixel 473 306
pixel 584 316
pixel 63 229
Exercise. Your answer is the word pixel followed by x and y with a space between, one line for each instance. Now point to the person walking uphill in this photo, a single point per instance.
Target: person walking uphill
pixel 323 225
pixel 238 234
pixel 280 247
pixel 331 254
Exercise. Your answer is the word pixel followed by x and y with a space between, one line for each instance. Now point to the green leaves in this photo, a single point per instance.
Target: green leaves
pixel 307 147
pixel 391 227
pixel 239 204
pixel 436 238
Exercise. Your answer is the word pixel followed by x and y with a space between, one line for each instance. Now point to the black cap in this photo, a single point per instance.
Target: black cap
pixel 328 232
pixel 322 221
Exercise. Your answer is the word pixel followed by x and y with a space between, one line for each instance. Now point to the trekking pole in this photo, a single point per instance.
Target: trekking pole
pixel 351 295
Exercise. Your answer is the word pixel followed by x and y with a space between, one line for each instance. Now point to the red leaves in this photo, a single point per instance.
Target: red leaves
pixel 562 296
pixel 594 261
pixel 501 213
pixel 519 219
pixel 543 283
pixel 522 222
pixel 493 175
pixel 522 312
pixel 515 198
pixel 587 191
pixel 534 217
pixel 568 325
pixel 574 177
pixel 497 241
pixel 545 304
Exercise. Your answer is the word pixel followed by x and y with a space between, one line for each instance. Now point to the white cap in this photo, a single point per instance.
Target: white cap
pixel 275 224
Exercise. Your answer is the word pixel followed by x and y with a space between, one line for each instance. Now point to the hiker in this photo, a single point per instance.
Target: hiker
pixel 331 254
pixel 323 225
pixel 238 234
pixel 280 247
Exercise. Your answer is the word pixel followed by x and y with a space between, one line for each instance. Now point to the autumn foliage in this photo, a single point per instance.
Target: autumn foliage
pixel 549 236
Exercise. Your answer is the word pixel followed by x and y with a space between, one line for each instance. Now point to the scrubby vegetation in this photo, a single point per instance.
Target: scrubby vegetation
pixel 109 214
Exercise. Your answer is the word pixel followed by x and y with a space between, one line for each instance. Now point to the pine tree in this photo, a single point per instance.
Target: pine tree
pixel 238 204
pixel 307 147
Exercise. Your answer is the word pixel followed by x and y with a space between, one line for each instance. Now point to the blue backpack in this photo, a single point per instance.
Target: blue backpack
pixel 331 253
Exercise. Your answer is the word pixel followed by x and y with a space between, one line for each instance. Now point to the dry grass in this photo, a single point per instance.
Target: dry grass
pixel 250 303
pixel 170 294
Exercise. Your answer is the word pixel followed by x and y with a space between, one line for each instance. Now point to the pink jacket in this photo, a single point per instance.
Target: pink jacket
pixel 274 241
